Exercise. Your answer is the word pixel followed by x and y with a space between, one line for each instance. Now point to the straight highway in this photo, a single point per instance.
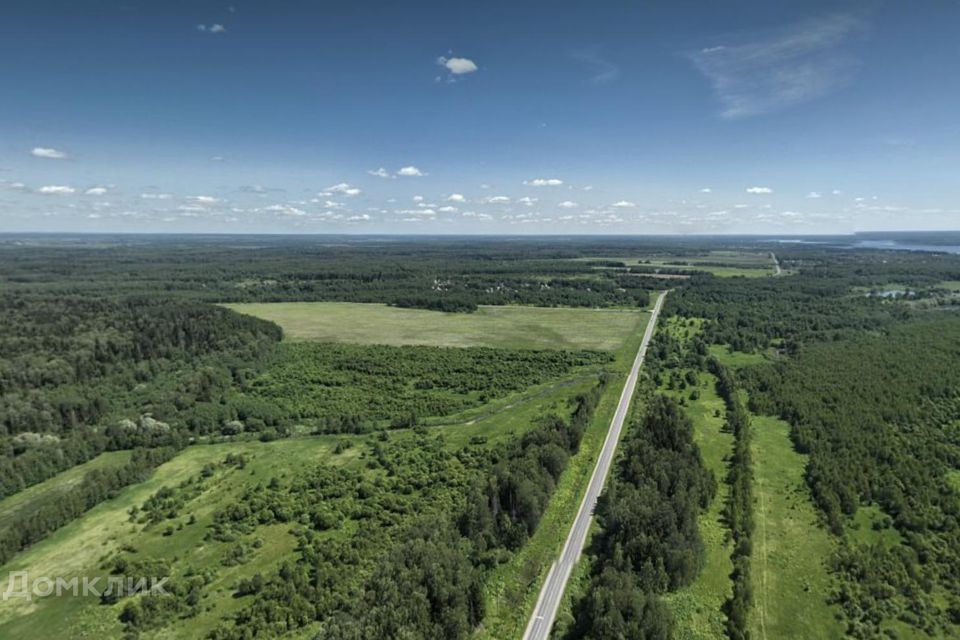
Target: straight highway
pixel 552 591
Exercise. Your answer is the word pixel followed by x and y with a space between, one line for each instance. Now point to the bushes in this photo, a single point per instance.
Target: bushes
pixel 358 388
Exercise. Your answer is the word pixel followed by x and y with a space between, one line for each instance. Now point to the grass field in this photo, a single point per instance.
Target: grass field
pixel 724 264
pixel 698 608
pixel 735 359
pixel 790 548
pixel 22 503
pixel 509 326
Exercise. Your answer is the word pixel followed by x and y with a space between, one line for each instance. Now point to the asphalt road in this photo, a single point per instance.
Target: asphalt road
pixel 552 591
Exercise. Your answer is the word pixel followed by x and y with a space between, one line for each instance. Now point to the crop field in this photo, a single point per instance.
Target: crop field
pixel 790 549
pixel 508 326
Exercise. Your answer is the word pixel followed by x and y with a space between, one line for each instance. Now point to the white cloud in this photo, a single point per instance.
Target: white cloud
pixel 285 210
pixel 448 209
pixel 47 152
pixel 624 204
pixel 568 204
pixel 96 191
pixel 206 199
pixel 797 64
pixel 497 200
pixel 56 190
pixel 813 195
pixel 213 28
pixel 156 196
pixel 344 188
pixel 457 66
pixel 380 173
pixel 456 197
pixel 360 217
pixel 410 172
pixel 418 198
pixel 836 192
pixel 528 201
pixel 759 190
pixel 543 182
pixel 706 190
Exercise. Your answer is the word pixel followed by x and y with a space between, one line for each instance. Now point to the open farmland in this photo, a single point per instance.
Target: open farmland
pixel 721 263
pixel 508 327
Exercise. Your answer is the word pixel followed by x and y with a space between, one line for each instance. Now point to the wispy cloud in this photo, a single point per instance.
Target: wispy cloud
pixel 759 190
pixel 800 63
pixel 47 152
pixel 602 71
pixel 345 189
pixel 213 28
pixel 543 182
pixel 410 172
pixel 56 190
pixel 380 173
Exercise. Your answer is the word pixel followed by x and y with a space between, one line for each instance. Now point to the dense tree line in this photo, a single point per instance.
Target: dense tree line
pixel 648 542
pixel 22 530
pixel 738 511
pixel 79 376
pixel 446 275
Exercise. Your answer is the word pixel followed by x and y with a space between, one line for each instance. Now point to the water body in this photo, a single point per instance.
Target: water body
pixel 905 246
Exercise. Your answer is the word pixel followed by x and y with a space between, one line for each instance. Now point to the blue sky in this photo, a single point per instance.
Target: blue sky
pixel 479 117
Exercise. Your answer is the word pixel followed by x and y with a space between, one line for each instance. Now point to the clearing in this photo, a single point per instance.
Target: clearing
pixel 790 548
pixel 507 326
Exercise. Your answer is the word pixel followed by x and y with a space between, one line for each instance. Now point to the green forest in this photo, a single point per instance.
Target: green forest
pixel 308 489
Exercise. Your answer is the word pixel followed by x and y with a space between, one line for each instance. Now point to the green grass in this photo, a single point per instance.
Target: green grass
pixel 862 528
pixel 78 548
pixel 509 326
pixel 697 608
pixel 790 548
pixel 726 264
pixel 24 502
pixel 952 285
pixel 736 359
